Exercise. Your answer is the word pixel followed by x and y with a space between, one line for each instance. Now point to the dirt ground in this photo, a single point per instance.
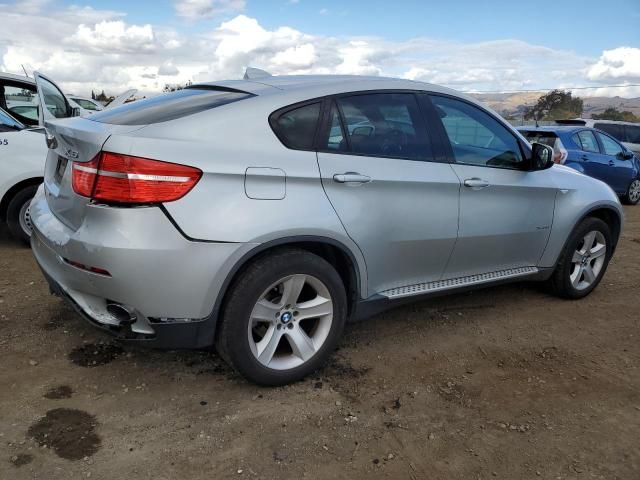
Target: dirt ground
pixel 507 383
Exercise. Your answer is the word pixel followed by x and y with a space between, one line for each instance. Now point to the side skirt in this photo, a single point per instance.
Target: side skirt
pixel 396 297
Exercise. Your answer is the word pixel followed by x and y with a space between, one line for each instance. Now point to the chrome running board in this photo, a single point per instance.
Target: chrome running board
pixel 454 283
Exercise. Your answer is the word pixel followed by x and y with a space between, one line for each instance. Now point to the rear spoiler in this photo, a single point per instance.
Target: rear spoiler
pixel 576 121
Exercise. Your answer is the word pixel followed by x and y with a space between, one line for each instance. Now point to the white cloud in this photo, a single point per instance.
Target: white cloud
pixel 200 9
pixel 617 65
pixel 83 48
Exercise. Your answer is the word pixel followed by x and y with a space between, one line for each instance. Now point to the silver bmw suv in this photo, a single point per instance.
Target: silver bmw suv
pixel 260 215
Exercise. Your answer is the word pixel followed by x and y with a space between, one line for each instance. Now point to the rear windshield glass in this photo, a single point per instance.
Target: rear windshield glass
pixel 546 138
pixel 167 106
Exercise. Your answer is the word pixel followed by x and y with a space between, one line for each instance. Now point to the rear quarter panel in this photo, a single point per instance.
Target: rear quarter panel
pixel 224 143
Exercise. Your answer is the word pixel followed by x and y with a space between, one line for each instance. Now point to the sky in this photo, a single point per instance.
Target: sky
pixel 477 45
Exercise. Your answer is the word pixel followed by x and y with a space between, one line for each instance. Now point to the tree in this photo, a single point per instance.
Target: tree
pixel 93 95
pixel 175 87
pixel 555 105
pixel 613 113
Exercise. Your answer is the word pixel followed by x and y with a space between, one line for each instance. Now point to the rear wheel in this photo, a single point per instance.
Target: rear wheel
pixel 283 318
pixel 632 197
pixel 19 214
pixel 584 260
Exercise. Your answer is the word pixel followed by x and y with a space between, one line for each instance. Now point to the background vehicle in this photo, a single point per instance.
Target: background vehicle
pixel 593 153
pixel 23 150
pixel 626 132
pixel 88 104
pixel 268 213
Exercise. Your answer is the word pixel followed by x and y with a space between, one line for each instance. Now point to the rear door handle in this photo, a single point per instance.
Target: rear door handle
pixel 351 177
pixel 476 183
pixel 585 158
pixel 611 163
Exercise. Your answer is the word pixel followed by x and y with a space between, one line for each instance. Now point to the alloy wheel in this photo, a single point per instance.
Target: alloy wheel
pixel 588 260
pixel 290 322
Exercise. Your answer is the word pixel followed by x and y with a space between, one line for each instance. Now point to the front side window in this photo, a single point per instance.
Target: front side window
pixel 632 133
pixel 610 146
pixel 476 137
pixel 8 124
pixel 86 104
pixel 586 140
pixel 381 125
pixel 55 101
pixel 296 128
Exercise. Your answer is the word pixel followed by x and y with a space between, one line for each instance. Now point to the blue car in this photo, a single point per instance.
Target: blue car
pixel 593 153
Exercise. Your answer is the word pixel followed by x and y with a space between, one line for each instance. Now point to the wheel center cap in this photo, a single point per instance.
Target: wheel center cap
pixel 286 317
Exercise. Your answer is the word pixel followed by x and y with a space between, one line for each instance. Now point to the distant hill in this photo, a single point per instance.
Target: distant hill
pixel 514 104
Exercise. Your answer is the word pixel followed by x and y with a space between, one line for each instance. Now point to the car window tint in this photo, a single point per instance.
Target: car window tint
pixel 296 128
pixel 610 146
pixel 385 125
pixel 614 129
pixel 476 137
pixel 21 102
pixel 632 134
pixel 586 140
pixel 336 141
pixel 168 106
pixel 7 123
pixel 54 99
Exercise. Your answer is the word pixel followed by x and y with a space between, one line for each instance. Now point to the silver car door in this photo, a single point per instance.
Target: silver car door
pixel 397 204
pixel 506 212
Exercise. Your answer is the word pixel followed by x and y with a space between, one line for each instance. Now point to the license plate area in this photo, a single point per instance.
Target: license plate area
pixel 61 166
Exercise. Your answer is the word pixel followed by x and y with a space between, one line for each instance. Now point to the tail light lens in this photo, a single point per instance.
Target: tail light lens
pixel 112 177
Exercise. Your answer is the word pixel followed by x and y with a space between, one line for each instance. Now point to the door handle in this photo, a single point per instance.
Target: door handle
pixel 585 158
pixel 476 183
pixel 611 163
pixel 351 177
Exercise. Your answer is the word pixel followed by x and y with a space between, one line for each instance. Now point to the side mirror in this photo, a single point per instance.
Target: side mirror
pixel 625 155
pixel 541 156
pixel 75 112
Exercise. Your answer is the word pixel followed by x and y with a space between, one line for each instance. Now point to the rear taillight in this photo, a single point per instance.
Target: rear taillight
pixel 112 177
pixel 561 153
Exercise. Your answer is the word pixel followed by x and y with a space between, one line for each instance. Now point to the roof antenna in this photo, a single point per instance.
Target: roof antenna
pixel 252 73
pixel 25 71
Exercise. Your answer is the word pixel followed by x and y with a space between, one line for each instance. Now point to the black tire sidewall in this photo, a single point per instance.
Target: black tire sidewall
pixel 586 226
pixel 233 340
pixel 13 213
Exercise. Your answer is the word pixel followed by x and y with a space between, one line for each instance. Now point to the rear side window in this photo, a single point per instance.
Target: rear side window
pixel 613 129
pixel 476 137
pixel 610 146
pixel 168 106
pixel 586 140
pixel 296 128
pixel 380 125
pixel 632 134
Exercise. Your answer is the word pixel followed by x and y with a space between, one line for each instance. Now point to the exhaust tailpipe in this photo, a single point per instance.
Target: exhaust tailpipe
pixel 122 314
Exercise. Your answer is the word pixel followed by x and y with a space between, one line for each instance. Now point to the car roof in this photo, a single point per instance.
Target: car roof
pixel 594 120
pixel 554 128
pixel 312 86
pixel 18 78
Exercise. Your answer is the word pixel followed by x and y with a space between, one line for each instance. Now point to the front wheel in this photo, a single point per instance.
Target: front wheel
pixel 632 197
pixel 584 260
pixel 283 317
pixel 19 214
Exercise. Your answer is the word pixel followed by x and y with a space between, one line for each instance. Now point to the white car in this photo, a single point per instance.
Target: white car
pixel 23 149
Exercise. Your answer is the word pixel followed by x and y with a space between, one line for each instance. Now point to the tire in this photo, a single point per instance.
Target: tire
pixel 18 219
pixel 256 311
pixel 632 197
pixel 568 280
